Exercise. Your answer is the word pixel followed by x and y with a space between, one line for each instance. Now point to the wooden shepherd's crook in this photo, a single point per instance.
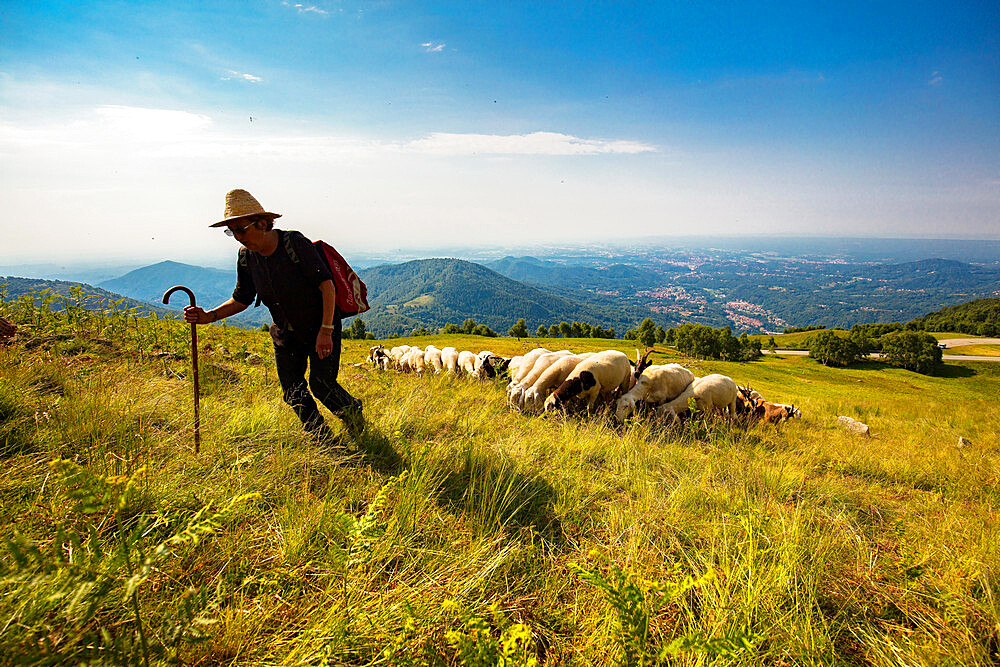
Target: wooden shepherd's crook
pixel 194 362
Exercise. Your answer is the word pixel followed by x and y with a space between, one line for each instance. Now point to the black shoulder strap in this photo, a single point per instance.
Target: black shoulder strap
pixel 289 247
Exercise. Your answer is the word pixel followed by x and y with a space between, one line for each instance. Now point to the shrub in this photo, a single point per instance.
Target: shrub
pixel 829 349
pixel 912 350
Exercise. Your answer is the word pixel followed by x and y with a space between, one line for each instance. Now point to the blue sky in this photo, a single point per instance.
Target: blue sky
pixel 384 125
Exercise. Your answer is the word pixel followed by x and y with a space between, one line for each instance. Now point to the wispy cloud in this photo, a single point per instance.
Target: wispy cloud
pixel 306 9
pixel 172 133
pixel 535 143
pixel 241 76
pixel 936 79
pixel 431 47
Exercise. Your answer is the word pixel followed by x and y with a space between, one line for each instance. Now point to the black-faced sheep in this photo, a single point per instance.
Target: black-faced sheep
pixel 534 396
pixel 601 375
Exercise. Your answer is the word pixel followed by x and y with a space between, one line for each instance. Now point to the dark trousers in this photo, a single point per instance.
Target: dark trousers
pixel 291 357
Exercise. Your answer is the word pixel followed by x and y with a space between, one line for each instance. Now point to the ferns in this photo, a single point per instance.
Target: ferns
pixel 66 599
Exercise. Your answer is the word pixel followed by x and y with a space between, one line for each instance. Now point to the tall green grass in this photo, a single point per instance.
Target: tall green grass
pixel 454 531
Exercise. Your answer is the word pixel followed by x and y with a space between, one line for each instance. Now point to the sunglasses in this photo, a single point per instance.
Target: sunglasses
pixel 239 231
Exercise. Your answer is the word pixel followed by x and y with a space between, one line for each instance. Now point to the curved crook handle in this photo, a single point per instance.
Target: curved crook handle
pixel 175 288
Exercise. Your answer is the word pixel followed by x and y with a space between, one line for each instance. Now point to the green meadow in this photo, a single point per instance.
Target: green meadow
pixel 457 532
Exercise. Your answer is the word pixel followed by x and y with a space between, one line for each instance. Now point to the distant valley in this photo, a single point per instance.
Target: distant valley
pixel 754 290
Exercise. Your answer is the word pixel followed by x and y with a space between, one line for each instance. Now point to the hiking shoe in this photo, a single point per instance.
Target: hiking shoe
pixel 353 417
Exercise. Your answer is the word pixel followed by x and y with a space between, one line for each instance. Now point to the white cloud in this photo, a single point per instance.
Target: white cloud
pixel 166 133
pixel 535 143
pixel 936 79
pixel 306 9
pixel 431 47
pixel 232 74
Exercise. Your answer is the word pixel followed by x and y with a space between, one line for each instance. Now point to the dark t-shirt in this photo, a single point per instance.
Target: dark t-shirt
pixel 287 282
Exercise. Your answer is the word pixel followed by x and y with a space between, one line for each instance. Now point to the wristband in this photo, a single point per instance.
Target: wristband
pixel 328 327
pixel 215 315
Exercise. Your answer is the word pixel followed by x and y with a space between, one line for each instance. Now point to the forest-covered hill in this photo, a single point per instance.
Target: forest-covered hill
pixel 211 287
pixel 434 292
pixel 979 317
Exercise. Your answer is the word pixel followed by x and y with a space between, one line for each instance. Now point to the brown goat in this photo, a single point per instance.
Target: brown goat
pixel 641 364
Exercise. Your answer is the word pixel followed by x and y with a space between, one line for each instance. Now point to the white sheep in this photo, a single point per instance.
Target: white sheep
pixel 656 384
pixel 598 376
pixel 525 363
pixel 712 393
pixel 413 361
pixel 432 358
pixel 516 389
pixel 449 359
pixel 533 398
pixel 397 353
pixel 467 362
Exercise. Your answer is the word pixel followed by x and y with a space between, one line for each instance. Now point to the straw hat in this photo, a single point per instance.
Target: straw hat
pixel 241 204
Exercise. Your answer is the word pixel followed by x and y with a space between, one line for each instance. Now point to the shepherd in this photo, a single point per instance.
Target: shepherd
pixel 284 270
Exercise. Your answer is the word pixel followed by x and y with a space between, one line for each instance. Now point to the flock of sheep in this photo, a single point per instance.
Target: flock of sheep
pixel 542 380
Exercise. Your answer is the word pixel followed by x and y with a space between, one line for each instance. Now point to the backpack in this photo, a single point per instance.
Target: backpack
pixel 352 294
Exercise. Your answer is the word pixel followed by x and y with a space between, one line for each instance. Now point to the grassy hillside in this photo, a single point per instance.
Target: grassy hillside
pixel 454 528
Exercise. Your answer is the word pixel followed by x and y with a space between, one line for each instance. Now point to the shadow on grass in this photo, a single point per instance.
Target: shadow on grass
pixel 494 495
pixel 942 371
pixel 484 486
pixel 954 371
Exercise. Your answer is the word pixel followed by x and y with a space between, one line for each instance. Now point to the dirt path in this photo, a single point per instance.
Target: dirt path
pixel 957 342
pixel 945 357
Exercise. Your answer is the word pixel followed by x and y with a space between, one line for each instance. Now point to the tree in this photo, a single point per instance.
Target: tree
pixel 483 330
pixel 358 329
pixel 670 336
pixel 468 326
pixel 565 330
pixel 829 349
pixel 647 333
pixel 450 328
pixel 541 332
pixel 519 329
pixel 661 335
pixel 554 331
pixel 915 351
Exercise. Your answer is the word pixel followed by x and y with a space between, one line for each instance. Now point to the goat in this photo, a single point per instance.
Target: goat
pixel 641 364
pixel 776 413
